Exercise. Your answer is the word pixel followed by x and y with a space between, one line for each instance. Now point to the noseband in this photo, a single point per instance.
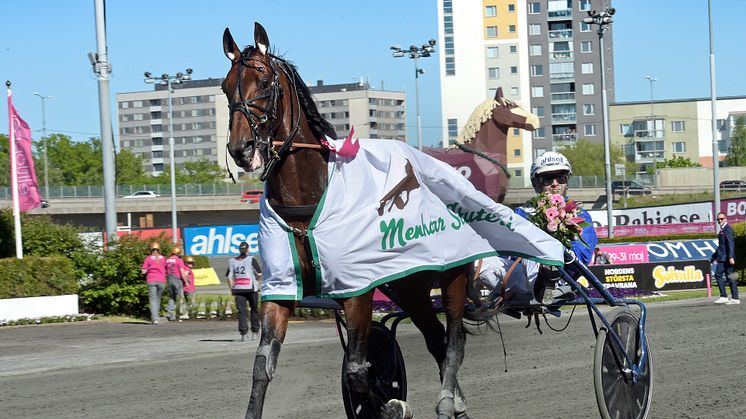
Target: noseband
pixel 258 116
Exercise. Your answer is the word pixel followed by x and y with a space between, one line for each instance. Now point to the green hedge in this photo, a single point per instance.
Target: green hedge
pixel 35 276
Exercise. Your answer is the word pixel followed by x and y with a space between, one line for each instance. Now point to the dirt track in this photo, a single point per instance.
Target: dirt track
pixel 196 369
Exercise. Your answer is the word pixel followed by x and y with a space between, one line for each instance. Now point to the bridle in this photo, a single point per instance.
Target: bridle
pixel 260 116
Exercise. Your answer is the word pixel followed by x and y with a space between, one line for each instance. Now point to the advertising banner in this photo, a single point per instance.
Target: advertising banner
pixel 661 251
pixel 734 209
pixel 656 230
pixel 700 212
pixel 205 276
pixel 660 276
pixel 627 254
pixel 220 240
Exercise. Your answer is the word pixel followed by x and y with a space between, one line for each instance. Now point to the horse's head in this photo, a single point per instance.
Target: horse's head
pixel 508 113
pixel 254 89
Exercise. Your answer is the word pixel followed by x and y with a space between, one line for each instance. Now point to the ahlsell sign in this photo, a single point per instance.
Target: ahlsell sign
pixel 671 214
pixel 660 276
pixel 220 240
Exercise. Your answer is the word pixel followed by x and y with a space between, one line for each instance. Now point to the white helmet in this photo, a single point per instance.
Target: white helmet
pixel 550 161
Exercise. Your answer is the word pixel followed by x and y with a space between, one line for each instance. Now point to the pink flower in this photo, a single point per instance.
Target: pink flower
pixel 577 220
pixel 553 224
pixel 551 213
pixel 570 206
pixel 558 199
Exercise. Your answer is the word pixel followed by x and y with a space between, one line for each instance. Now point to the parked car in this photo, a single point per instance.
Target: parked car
pixel 631 187
pixel 142 194
pixel 733 185
pixel 251 196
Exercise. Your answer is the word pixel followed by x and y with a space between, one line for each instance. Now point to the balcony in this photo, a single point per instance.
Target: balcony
pixel 563 97
pixel 562 76
pixel 650 134
pixel 649 156
pixel 560 34
pixel 561 56
pixel 564 14
pixel 564 139
pixel 564 117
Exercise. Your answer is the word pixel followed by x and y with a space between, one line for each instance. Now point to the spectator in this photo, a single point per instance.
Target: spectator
pixel 244 284
pixel 176 274
pixel 190 297
pixel 725 260
pixel 154 269
pixel 601 258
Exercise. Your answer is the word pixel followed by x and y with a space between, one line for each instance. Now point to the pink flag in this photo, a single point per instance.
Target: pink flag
pixel 28 190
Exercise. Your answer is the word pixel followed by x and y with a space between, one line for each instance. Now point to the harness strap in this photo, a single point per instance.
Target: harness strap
pixel 501 297
pixel 295 210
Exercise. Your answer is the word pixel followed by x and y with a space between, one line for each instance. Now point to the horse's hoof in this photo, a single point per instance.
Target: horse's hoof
pixel 401 406
pixel 461 415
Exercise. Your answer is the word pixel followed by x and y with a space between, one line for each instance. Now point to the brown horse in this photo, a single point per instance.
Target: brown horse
pixel 274 124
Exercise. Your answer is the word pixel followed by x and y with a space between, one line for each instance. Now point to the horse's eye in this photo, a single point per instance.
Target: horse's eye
pixel 264 85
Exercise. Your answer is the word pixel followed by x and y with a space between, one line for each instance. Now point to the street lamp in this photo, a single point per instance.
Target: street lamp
pixel 415 53
pixel 602 20
pixel 44 142
pixel 169 81
pixel 655 133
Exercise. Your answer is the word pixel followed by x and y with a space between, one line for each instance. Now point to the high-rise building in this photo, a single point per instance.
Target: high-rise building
pixel 542 55
pixel 200 119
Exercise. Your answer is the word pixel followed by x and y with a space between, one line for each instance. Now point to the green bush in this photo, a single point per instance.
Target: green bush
pixel 201 262
pixel 35 276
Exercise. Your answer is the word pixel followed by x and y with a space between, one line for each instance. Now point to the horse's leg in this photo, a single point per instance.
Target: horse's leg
pixel 358 315
pixel 414 296
pixel 453 292
pixel 274 325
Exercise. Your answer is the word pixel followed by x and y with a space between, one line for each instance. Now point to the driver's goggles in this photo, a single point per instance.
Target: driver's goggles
pixel 548 180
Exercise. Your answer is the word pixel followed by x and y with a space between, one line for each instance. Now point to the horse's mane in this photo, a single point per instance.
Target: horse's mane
pixel 319 126
pixel 481 114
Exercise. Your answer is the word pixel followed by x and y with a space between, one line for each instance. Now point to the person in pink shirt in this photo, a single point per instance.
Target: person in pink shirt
pixel 190 296
pixel 154 269
pixel 176 275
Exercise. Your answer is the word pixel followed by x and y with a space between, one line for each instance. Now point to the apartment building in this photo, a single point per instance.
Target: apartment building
pixel 200 119
pixel 544 57
pixel 651 131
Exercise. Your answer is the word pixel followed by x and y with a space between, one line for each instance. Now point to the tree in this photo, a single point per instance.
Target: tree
pixel 73 163
pixel 587 159
pixel 737 150
pixel 677 161
pixel 200 171
pixel 4 161
pixel 130 169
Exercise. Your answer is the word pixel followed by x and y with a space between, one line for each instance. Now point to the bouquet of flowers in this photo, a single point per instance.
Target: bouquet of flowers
pixel 558 217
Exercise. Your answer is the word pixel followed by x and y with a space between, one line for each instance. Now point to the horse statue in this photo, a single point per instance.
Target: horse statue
pixel 481 146
pixel 314 244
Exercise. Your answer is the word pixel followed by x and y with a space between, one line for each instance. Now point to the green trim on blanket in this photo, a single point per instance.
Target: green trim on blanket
pixel 279 297
pixel 296 267
pixel 399 275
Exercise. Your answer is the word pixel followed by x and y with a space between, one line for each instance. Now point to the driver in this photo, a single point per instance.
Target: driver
pixel 550 173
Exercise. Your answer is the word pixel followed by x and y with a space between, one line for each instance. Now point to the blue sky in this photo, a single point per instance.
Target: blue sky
pixel 44 46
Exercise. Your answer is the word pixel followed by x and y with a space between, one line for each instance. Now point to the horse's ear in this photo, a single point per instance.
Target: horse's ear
pixel 499 93
pixel 229 46
pixel 261 40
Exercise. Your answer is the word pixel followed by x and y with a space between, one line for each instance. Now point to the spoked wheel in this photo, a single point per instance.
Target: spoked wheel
pixel 617 396
pixel 386 375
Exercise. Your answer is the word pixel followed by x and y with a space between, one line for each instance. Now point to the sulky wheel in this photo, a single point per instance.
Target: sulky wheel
pixel 617 396
pixel 386 375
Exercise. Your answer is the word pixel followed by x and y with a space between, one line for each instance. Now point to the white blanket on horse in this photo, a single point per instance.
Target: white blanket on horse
pixel 390 211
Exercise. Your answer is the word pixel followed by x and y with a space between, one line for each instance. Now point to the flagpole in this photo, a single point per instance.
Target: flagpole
pixel 14 177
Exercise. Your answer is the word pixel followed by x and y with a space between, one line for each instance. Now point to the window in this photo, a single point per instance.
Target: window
pixel 625 129
pixel 493 52
pixel 493 73
pixel 679 147
pixel 491 92
pixel 514 90
pixel 511 7
pixel 516 152
pixel 537 91
pixel 137 104
pixel 491 31
pixel 450 66
pixel 586 46
pixel 539 133
pixel 157 154
pixel 125 105
pixel 585 27
pixel 589 109
pixel 516 132
pixel 490 11
pixel 513 49
pixel 538 111
pixel 534 49
pixel 513 69
pixel 588 89
pixel 537 70
pixel 589 130
pixel 534 8
pixel 584 5
pixel 586 68
pixel 511 28
pixel 452 128
pixel 194 99
pixel 156 128
pixel 678 126
pixel 534 29
pixel 518 172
